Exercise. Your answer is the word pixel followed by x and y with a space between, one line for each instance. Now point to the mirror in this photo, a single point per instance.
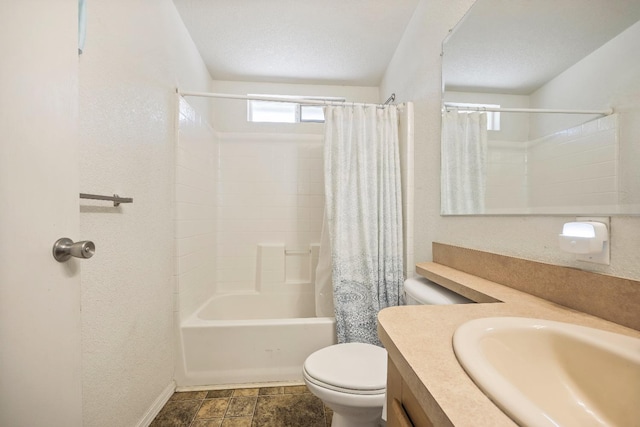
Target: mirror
pixel 505 62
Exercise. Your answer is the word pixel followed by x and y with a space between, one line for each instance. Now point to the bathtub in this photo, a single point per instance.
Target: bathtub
pixel 251 338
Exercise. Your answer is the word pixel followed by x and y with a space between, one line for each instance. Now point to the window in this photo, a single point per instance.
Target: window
pixel 493 117
pixel 311 113
pixel 286 112
pixel 272 112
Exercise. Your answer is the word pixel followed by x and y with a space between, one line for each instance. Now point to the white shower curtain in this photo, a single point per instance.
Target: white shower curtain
pixel 463 162
pixel 363 215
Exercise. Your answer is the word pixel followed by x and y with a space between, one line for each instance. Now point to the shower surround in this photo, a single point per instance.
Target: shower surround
pixel 248 213
pixel 248 217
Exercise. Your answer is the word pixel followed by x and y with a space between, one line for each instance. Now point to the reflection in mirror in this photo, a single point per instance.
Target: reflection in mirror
pixel 541 109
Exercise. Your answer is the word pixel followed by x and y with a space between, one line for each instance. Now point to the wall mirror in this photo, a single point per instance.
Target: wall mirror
pixel 541 109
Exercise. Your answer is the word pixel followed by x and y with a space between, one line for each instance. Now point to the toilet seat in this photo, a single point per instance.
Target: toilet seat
pixel 353 368
pixel 332 387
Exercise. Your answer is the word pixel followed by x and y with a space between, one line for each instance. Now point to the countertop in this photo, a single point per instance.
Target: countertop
pixel 419 340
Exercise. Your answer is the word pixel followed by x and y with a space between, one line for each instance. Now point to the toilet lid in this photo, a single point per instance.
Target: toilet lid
pixel 351 366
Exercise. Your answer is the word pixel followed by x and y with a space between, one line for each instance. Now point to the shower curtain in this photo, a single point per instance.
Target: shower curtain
pixel 363 214
pixel 463 162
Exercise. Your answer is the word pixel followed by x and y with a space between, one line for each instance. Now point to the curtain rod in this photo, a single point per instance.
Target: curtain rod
pixel 390 99
pixel 299 100
pixel 606 112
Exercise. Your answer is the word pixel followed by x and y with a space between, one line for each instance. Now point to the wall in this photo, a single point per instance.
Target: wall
pixel 414 74
pixel 128 75
pixel 612 75
pixel 271 191
pixel 608 77
pixel 576 167
pixel 506 176
pixel 196 192
pixel 270 187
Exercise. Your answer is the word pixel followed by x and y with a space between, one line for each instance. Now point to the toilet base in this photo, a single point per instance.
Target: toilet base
pixel 339 420
pixel 349 416
pixel 350 410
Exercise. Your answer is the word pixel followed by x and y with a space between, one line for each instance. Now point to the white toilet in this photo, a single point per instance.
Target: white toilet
pixel 351 379
pixel 421 291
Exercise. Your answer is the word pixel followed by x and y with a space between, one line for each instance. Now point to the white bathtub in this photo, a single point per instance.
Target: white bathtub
pixel 251 338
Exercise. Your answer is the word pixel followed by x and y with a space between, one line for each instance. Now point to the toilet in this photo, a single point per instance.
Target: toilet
pixel 421 291
pixel 351 378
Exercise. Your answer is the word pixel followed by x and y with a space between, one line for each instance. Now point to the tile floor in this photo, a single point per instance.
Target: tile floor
pixel 284 406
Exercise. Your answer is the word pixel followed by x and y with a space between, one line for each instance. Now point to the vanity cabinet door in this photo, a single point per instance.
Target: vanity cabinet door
pixel 397 416
pixel 403 407
pixel 413 409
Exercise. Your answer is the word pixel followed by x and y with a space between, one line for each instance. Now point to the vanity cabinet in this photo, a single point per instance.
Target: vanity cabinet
pixel 403 409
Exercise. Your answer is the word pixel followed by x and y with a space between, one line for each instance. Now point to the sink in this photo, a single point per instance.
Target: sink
pixel 544 373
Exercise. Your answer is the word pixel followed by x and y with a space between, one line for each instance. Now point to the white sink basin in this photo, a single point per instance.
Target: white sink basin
pixel 543 373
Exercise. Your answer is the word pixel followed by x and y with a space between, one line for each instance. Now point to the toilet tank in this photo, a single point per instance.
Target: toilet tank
pixel 420 291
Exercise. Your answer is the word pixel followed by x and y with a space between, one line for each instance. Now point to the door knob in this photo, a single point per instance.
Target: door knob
pixel 64 248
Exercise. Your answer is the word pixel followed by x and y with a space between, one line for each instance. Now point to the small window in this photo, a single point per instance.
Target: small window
pixel 272 112
pixel 493 117
pixel 286 112
pixel 311 113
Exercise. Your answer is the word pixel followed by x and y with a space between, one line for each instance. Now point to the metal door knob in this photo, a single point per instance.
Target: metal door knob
pixel 64 248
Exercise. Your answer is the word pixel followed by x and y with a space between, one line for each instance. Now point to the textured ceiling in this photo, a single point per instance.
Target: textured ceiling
pixel 348 42
pixel 515 46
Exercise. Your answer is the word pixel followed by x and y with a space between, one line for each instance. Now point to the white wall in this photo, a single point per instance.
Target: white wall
pixel 196 191
pixel 576 168
pixel 608 77
pixel 414 74
pixel 506 185
pixel 271 191
pixel 136 53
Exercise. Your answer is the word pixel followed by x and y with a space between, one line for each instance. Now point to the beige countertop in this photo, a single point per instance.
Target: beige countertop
pixel 419 340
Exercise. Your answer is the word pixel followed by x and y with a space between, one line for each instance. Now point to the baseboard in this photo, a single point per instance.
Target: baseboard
pixel 236 385
pixel 157 405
